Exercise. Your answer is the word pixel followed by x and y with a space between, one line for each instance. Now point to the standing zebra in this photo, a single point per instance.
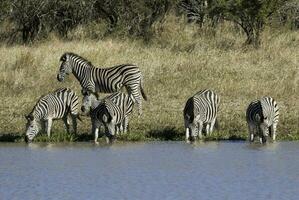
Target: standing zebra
pixel 112 112
pixel 262 118
pixel 201 110
pixel 105 80
pixel 56 105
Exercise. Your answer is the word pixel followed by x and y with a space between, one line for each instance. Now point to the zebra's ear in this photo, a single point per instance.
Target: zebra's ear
pixel 187 117
pixel 29 117
pixel 97 95
pixel 63 58
pixel 105 118
pixel 85 92
pixel 258 117
pixel 26 117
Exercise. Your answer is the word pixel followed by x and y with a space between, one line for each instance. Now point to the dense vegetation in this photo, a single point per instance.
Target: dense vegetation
pixel 29 20
pixel 241 49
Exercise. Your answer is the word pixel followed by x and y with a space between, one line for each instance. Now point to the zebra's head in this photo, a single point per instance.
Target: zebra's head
pixel 191 127
pixel 31 128
pixel 65 67
pixel 90 101
pixel 108 118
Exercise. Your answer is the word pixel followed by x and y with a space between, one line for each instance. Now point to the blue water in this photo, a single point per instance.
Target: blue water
pixel 158 170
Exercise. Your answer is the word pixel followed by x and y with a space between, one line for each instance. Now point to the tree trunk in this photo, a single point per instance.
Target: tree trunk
pixel 253 34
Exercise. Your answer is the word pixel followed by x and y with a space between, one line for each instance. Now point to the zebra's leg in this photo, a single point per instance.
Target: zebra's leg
pixel 251 132
pixel 212 125
pixel 125 125
pixel 67 125
pixel 74 122
pixel 261 139
pixel 136 93
pixel 96 135
pixel 199 129
pixel 49 125
pixel 121 128
pixel 118 128
pixel 206 129
pixel 273 130
pixel 263 133
pixel 139 103
pixel 43 126
pixel 187 134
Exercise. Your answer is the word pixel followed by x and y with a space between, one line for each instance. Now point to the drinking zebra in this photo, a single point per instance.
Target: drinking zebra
pixel 201 110
pixel 112 112
pixel 262 118
pixel 105 80
pixel 56 105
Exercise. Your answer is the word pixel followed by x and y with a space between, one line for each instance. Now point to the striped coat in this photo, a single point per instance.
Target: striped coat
pixel 56 105
pixel 116 107
pixel 201 110
pixel 104 80
pixel 262 118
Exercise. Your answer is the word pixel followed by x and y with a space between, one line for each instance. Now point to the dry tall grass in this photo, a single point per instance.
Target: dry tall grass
pixel 180 61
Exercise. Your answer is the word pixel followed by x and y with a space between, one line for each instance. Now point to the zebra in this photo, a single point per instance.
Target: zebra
pixel 112 112
pixel 56 105
pixel 201 110
pixel 262 118
pixel 104 80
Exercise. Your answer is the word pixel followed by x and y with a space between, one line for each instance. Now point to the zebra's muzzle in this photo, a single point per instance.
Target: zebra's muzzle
pixel 59 78
pixel 191 138
pixel 27 140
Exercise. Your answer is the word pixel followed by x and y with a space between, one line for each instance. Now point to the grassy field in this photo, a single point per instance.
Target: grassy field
pixel 177 63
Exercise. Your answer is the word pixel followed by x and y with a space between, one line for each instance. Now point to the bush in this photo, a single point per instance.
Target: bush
pixel 250 15
pixel 288 15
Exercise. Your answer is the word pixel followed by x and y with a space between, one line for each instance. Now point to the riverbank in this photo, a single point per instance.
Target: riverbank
pixel 133 137
pixel 175 65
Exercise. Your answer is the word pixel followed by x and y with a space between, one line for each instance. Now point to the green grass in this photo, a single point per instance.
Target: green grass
pixel 179 61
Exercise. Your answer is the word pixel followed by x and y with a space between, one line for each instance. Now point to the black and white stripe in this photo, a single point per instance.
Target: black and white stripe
pixel 262 118
pixel 201 110
pixel 56 105
pixel 112 112
pixel 104 80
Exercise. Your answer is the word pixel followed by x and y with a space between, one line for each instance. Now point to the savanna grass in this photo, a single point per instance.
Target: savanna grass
pixel 179 61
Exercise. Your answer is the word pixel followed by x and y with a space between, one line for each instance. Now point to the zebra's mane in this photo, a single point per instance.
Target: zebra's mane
pixel 76 55
pixel 34 107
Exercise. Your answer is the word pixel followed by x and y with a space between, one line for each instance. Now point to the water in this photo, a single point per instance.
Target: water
pixel 159 170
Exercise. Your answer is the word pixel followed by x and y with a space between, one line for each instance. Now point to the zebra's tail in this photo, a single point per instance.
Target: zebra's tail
pixel 78 117
pixel 217 125
pixel 142 90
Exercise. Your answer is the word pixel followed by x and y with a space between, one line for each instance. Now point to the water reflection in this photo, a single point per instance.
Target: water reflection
pixel 262 147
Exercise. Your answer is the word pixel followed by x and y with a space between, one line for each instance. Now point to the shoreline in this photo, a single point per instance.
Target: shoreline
pixel 131 137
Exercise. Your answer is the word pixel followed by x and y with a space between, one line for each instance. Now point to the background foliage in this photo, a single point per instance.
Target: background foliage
pixel 28 20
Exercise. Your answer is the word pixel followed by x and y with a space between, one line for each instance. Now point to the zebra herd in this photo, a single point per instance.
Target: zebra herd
pixel 113 111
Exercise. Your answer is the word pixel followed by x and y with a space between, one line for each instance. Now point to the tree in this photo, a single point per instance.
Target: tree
pixel 65 15
pixel 135 17
pixel 288 14
pixel 107 10
pixel 4 9
pixel 27 16
pixel 201 11
pixel 251 15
